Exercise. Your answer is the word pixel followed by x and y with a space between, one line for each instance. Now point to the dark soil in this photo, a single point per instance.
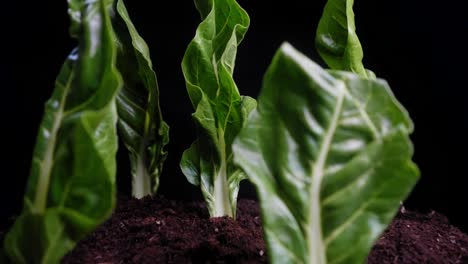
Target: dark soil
pixel 421 239
pixel 162 231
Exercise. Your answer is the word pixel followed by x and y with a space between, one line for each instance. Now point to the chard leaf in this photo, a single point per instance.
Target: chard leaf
pixel 220 111
pixel 330 155
pixel 71 188
pixel 141 126
pixel 336 38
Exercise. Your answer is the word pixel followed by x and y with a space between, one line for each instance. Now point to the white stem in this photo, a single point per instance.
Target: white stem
pixel 141 186
pixel 222 200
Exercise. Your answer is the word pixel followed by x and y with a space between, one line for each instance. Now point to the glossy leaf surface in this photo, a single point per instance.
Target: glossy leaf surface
pixel 337 41
pixel 71 188
pixel 220 111
pixel 330 155
pixel 140 120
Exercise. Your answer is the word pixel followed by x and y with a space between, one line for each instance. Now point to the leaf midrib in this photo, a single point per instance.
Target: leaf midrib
pixel 46 164
pixel 316 247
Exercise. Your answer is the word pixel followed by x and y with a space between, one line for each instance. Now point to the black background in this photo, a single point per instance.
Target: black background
pixel 418 46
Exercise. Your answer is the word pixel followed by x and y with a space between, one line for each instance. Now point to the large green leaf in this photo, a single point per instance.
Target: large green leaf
pixel 337 41
pixel 208 67
pixel 330 156
pixel 71 188
pixel 140 120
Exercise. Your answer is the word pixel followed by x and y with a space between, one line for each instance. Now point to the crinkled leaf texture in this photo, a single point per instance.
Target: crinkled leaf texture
pixel 330 155
pixel 71 188
pixel 141 126
pixel 337 41
pixel 221 112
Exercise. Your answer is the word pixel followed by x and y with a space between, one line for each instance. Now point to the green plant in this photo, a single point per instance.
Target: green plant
pixel 341 159
pixel 328 150
pixel 220 111
pixel 141 126
pixel 336 39
pixel 71 188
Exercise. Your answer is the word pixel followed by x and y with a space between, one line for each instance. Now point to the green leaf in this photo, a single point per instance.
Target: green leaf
pixel 141 125
pixel 204 7
pixel 220 111
pixel 71 189
pixel 330 155
pixel 336 39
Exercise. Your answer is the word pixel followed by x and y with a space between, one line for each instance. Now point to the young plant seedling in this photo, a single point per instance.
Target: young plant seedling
pixel 220 111
pixel 71 188
pixel 140 123
pixel 336 39
pixel 328 151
